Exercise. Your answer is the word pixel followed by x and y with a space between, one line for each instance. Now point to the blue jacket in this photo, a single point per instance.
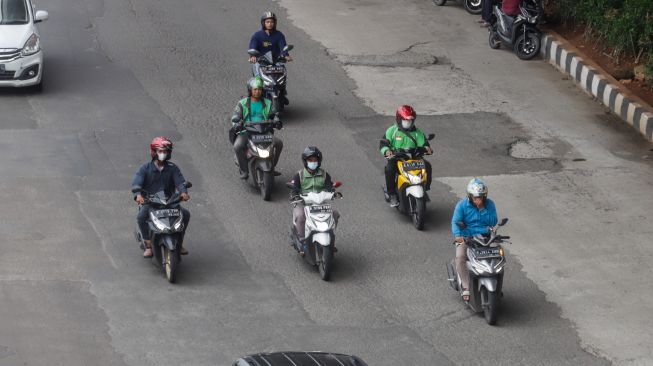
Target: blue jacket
pixel 263 42
pixel 150 179
pixel 477 221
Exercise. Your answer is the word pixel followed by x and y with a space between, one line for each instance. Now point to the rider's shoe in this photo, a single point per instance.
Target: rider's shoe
pixel 243 175
pixel 148 249
pixel 394 201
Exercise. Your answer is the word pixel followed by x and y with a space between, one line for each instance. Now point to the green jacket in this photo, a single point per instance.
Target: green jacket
pixel 396 138
pixel 242 110
pixel 304 182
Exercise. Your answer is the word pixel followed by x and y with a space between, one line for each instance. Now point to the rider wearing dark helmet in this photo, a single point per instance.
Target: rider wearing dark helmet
pixel 268 38
pixel 312 178
pixel 159 174
pixel 402 135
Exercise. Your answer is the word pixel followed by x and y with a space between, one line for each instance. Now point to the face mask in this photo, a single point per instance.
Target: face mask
pixel 406 124
pixel 312 165
pixel 162 156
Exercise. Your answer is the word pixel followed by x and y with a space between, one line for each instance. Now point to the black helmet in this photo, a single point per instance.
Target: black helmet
pixel 312 151
pixel 268 15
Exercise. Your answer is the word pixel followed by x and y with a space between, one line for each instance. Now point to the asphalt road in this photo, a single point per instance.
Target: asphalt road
pixel 74 288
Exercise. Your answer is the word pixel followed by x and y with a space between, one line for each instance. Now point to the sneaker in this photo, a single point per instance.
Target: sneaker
pixel 394 201
pixel 243 175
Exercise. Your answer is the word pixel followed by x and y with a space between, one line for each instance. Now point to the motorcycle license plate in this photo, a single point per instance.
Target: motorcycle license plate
pixel 167 212
pixel 487 253
pixel 320 209
pixel 414 165
pixel 274 70
pixel 261 138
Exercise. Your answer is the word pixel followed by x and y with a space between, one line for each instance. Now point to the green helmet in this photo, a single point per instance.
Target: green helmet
pixel 255 83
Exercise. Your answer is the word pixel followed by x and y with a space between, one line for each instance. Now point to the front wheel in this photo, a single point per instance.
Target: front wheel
pixel 494 40
pixel 418 213
pixel 266 185
pixel 473 6
pixel 527 45
pixel 326 261
pixel 439 2
pixel 170 264
pixel 490 304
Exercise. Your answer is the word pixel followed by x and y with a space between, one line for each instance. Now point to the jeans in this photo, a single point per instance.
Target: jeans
pixel 486 10
pixel 240 148
pixel 144 215
pixel 391 172
pixel 299 219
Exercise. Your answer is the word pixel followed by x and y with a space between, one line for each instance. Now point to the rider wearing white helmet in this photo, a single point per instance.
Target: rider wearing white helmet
pixel 478 213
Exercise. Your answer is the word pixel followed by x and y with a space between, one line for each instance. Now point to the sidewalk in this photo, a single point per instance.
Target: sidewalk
pixel 581 233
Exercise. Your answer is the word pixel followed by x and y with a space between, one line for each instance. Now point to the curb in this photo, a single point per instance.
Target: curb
pixel 598 83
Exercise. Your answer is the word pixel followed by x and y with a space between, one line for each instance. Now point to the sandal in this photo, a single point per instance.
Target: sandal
pixel 465 295
pixel 148 252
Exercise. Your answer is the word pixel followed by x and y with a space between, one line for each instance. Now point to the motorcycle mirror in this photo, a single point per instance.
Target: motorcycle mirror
pixel 188 184
pixel 337 184
pixel 431 136
pixel 288 47
pixel 503 221
pixel 254 53
pixel 461 225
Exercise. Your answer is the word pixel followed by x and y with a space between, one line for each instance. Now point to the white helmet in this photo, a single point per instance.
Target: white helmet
pixel 476 188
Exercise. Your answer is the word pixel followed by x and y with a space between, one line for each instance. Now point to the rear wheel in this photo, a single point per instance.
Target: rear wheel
pixel 418 213
pixel 527 45
pixel 326 261
pixel 473 6
pixel 266 185
pixel 439 2
pixel 170 264
pixel 490 301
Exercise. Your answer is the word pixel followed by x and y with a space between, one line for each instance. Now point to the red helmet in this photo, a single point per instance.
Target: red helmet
pixel 161 142
pixel 405 112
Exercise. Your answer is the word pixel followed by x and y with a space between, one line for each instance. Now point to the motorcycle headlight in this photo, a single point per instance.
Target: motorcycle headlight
pixel 267 81
pixel 414 178
pixel 322 225
pixel 263 153
pixel 158 223
pixel 178 224
pixel 32 46
pixel 481 268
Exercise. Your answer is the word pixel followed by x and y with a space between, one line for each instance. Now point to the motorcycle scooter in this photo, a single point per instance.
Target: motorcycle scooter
pixel 486 260
pixel 261 155
pixel 274 74
pixel 319 229
pixel 166 230
pixel 472 6
pixel 520 32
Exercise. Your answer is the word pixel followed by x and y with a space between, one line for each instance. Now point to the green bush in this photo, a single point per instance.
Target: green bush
pixel 623 26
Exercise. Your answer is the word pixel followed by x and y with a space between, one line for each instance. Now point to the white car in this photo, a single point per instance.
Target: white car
pixel 21 59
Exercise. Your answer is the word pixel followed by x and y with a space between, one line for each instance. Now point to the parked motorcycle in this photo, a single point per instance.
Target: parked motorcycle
pixel 273 72
pixel 472 6
pixel 319 229
pixel 166 230
pixel 261 155
pixel 520 32
pixel 410 184
pixel 486 259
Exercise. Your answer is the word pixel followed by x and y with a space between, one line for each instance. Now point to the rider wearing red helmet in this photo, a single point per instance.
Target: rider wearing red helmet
pixel 159 174
pixel 402 135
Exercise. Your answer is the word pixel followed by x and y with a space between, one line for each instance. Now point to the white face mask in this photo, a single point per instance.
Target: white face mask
pixel 406 124
pixel 312 165
pixel 162 156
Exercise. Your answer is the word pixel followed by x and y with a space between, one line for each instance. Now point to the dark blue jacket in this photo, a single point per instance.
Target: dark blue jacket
pixel 150 179
pixel 263 42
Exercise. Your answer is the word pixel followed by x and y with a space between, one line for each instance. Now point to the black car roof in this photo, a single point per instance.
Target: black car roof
pixel 299 359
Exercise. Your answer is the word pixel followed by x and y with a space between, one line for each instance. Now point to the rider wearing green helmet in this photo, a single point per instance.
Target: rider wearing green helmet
pixel 254 108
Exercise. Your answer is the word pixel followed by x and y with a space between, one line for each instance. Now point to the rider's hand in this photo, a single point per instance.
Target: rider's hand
pixel 288 58
pixel 429 150
pixel 459 239
pixel 140 200
pixel 389 154
pixel 184 196
pixel 252 59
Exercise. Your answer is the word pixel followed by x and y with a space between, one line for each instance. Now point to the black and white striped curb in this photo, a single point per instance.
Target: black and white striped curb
pixel 590 80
